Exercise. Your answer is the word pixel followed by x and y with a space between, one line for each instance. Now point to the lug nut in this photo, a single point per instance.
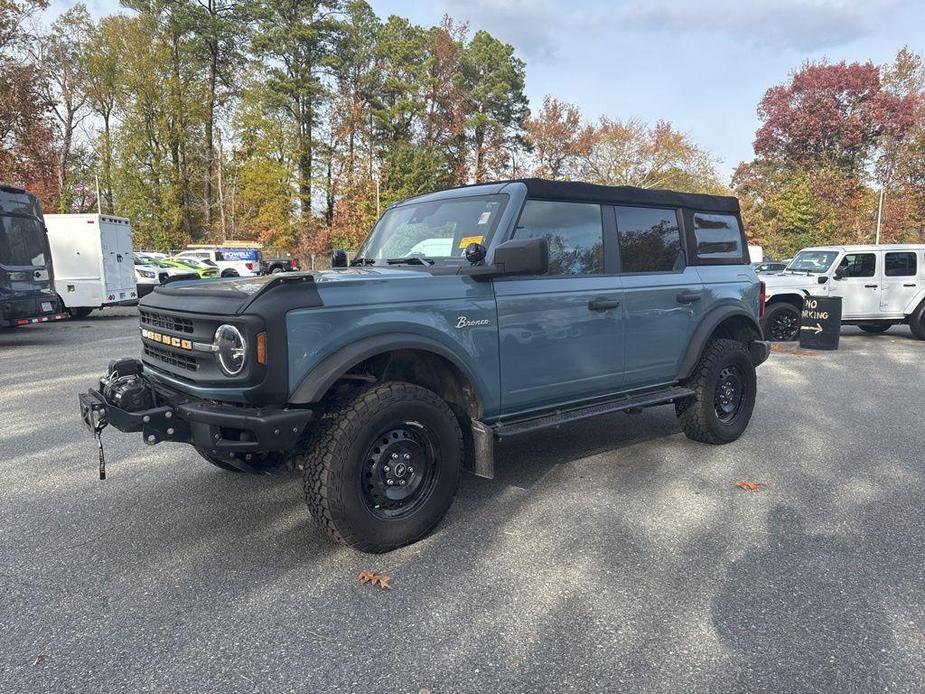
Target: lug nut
pixel 402 483
pixel 386 468
pixel 390 482
pixel 407 456
pixel 395 456
pixel 410 470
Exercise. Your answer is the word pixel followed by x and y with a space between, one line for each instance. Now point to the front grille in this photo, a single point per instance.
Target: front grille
pixel 166 322
pixel 180 361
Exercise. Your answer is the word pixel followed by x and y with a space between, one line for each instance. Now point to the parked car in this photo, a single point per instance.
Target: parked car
pixel 880 286
pixel 94 267
pixel 230 262
pixel 769 267
pixel 27 292
pixel 275 265
pixel 147 275
pixel 190 266
pixel 553 302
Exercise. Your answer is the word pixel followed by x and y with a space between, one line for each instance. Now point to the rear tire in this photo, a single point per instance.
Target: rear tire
pixel 384 466
pixel 875 328
pixel 917 321
pixel 80 312
pixel 725 386
pixel 781 322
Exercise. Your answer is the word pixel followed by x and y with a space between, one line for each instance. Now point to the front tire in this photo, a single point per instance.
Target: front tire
pixel 384 467
pixel 781 322
pixel 725 386
pixel 875 328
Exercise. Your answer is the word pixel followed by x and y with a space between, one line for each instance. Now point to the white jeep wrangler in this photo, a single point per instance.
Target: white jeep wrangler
pixel 880 286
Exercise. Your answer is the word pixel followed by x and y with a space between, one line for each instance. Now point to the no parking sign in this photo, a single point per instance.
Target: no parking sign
pixel 820 322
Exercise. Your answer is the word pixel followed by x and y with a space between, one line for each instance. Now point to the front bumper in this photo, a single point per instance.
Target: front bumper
pixel 219 428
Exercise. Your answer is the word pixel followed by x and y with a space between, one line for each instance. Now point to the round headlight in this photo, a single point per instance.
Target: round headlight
pixel 231 349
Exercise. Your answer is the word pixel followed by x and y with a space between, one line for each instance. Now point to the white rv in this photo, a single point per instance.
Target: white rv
pixel 92 254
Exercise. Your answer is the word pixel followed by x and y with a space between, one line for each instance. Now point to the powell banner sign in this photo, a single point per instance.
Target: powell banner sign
pixel 820 322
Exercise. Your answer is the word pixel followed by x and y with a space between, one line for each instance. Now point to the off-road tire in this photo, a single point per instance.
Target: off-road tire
pixel 334 469
pixel 917 321
pixel 230 273
pixel 775 312
pixel 875 328
pixel 697 415
pixel 80 312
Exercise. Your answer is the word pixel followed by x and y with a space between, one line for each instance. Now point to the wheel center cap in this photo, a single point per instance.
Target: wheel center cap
pixel 400 469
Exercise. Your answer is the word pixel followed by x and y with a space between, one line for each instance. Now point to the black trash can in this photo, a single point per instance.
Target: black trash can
pixel 820 322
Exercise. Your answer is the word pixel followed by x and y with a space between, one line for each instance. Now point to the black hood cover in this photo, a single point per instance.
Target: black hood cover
pixel 235 295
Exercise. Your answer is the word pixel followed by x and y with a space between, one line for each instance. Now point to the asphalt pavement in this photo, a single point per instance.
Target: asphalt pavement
pixel 609 555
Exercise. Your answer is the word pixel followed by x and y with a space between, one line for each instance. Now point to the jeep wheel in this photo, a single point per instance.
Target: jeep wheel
pixel 725 385
pixel 384 467
pixel 917 321
pixel 875 328
pixel 782 322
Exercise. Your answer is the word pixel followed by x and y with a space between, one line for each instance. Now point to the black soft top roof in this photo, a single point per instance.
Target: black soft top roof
pixel 626 195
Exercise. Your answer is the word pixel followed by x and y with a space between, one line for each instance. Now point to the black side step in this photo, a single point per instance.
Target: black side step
pixel 565 415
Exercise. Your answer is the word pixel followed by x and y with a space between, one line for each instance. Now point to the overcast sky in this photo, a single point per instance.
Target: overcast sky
pixel 700 64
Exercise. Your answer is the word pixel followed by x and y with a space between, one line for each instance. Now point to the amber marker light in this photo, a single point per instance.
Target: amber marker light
pixel 261 348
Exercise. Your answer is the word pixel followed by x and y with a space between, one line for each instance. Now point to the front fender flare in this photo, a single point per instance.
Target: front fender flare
pixel 706 327
pixel 317 382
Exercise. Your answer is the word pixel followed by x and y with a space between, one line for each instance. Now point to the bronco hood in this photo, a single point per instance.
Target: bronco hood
pixel 784 281
pixel 230 296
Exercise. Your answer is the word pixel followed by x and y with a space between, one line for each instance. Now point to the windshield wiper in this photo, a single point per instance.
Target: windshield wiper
pixel 362 261
pixel 410 260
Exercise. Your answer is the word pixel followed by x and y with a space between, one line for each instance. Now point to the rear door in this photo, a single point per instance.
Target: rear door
pixel 900 282
pixel 118 268
pixel 859 284
pixel 561 334
pixel 662 295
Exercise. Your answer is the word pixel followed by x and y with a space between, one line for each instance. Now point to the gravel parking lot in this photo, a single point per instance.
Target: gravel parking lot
pixel 609 555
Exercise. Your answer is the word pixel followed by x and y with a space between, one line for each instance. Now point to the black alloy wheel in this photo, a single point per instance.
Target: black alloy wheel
pixel 730 394
pixel 782 323
pixel 400 470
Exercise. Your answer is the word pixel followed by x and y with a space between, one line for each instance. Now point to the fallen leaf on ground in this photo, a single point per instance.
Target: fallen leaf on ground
pixel 40 658
pixel 375 579
pixel 783 348
pixel 749 486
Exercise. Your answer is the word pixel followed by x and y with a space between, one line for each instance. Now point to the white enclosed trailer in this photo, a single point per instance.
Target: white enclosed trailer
pixel 92 254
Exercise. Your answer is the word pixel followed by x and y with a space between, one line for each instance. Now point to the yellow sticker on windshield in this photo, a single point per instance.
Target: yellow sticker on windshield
pixel 466 240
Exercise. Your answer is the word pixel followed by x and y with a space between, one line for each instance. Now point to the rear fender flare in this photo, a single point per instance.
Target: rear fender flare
pixel 705 329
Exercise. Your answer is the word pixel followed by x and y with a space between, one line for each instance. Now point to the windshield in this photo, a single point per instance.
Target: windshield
pixel 440 229
pixel 22 241
pixel 812 261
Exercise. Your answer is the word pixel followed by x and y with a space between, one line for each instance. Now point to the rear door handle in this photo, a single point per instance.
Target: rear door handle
pixel 603 304
pixel 870 286
pixel 910 285
pixel 689 297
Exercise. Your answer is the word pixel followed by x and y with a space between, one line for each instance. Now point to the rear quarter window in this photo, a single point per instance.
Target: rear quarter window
pixel 718 238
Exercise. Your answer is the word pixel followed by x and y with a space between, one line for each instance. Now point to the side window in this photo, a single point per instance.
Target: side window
pixel 900 265
pixel 858 265
pixel 218 255
pixel 719 236
pixel 573 230
pixel 650 240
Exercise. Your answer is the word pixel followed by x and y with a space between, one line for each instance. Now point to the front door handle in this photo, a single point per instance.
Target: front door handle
pixel 689 297
pixel 870 286
pixel 910 285
pixel 603 304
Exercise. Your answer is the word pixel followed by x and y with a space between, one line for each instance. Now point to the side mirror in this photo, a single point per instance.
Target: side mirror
pixel 522 257
pixel 839 273
pixel 823 279
pixel 339 258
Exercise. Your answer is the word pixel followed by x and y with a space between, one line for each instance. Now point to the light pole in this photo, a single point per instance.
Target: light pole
pixel 880 212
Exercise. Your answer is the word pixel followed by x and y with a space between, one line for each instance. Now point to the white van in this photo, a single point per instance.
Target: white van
pixel 880 286
pixel 93 261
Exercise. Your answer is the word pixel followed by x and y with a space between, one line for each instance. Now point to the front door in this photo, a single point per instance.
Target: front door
pixel 900 283
pixel 858 285
pixel 561 333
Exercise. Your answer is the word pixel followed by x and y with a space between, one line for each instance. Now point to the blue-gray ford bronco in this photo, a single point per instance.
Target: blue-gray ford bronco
pixel 468 315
